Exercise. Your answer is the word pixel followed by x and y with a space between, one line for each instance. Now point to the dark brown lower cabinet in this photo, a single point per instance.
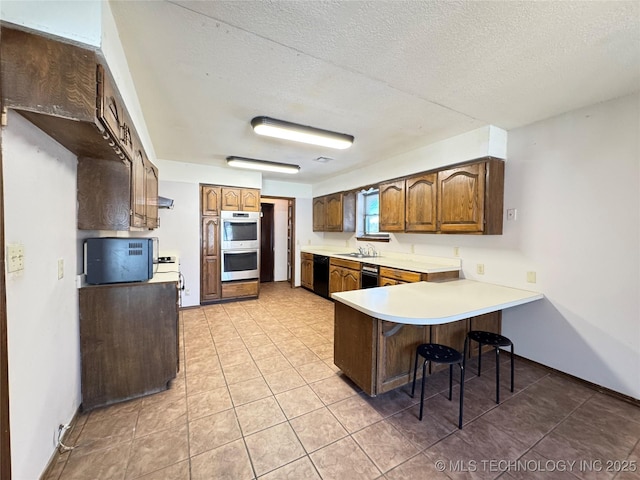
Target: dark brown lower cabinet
pixel 128 340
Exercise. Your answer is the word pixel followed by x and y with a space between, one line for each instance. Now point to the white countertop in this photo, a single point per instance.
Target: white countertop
pixel 433 303
pixel 410 262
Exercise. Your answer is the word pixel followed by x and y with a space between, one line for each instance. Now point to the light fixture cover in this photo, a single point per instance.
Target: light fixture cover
pixel 264 165
pixel 300 133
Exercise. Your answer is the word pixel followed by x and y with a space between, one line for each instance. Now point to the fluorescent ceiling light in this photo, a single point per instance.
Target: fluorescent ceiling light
pixel 300 133
pixel 253 164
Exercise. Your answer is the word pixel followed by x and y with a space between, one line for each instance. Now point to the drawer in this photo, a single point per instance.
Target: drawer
pixel 240 289
pixel 402 275
pixel 341 262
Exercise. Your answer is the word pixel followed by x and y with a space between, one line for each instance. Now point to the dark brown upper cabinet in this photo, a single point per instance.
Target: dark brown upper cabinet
pixel 392 206
pixel 335 212
pixel 421 200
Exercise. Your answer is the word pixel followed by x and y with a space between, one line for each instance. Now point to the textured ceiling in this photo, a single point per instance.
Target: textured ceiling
pixel 397 75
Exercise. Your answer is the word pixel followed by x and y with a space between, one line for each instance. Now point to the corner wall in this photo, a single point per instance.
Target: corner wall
pixel 42 311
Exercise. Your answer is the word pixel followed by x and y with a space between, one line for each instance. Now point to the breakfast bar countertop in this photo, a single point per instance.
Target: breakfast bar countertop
pixel 434 303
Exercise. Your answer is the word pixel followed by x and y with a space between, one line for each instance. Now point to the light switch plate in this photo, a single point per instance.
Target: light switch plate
pixel 531 277
pixel 480 268
pixel 15 257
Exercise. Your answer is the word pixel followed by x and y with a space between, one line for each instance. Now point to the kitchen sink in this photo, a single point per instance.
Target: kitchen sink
pixel 357 255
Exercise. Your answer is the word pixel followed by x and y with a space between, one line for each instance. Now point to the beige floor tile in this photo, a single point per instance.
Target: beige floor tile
pixel 112 412
pixel 315 371
pixel 344 460
pixel 264 351
pixel 385 445
pixel 207 381
pixel 208 403
pixel 213 431
pixel 242 372
pixel 273 447
pixel 162 416
pixel 107 463
pixel 298 401
pixel 177 471
pixel 228 462
pixel 156 451
pixel 249 391
pixel 284 380
pixel 354 413
pixel 258 415
pixel 297 470
pixel 335 388
pixel 273 364
pixel 98 435
pixel 420 467
pixel 318 429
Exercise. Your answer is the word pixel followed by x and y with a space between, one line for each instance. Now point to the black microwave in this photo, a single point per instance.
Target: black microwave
pixel 119 259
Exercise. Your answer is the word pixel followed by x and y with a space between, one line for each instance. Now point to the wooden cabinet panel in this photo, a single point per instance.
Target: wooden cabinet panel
pixel 210 197
pixel 385 282
pixel 396 354
pixel 421 202
pixel 138 194
pixel 250 200
pixel 349 212
pixel 151 178
pixel 240 289
pixel 319 209
pixel 230 198
pixel 128 341
pixel 344 275
pixel 392 206
pixel 241 199
pixel 210 279
pixel 104 194
pixel 210 235
pixel 355 346
pixel 306 270
pixel 461 198
pixel 333 213
pixel 401 275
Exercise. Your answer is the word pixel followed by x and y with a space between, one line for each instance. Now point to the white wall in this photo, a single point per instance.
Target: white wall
pixel 42 311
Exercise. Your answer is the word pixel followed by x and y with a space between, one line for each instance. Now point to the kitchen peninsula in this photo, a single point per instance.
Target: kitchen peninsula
pixel 378 329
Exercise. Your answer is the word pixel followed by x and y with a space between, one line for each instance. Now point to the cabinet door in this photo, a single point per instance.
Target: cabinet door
pixel 335 279
pixel 250 200
pixel 421 203
pixel 152 196
pixel 349 212
pixel 350 280
pixel 333 212
pixel 461 199
pixel 210 200
pixel 210 288
pixel 319 214
pixel 230 198
pixel 392 203
pixel 210 233
pixel 384 281
pixel 138 184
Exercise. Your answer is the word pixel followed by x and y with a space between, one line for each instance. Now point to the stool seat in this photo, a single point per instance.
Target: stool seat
pixel 489 338
pixel 494 340
pixel 436 353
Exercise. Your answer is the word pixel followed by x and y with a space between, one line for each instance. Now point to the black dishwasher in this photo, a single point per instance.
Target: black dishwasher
pixel 321 275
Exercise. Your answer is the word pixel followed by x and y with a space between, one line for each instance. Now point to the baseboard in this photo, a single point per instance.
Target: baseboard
pixel 54 456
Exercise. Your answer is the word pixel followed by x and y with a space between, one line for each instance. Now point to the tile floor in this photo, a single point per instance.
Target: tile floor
pixel 259 397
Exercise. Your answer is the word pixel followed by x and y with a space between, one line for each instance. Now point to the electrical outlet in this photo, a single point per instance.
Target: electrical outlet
pixel 531 277
pixel 413 248
pixel 456 251
pixel 187 292
pixel 15 257
pixel 60 268
pixel 480 268
pixel 512 214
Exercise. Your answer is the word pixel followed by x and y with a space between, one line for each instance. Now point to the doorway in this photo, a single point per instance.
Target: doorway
pixel 277 249
pixel 266 243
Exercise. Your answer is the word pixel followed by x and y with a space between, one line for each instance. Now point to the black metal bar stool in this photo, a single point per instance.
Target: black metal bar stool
pixel 496 341
pixel 435 353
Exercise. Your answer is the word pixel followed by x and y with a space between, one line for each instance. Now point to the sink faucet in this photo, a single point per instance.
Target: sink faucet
pixel 371 250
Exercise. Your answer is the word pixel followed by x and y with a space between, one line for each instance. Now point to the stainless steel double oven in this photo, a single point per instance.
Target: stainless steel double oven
pixel 240 245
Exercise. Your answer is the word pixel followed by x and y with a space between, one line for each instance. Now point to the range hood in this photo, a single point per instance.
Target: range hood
pixel 164 202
